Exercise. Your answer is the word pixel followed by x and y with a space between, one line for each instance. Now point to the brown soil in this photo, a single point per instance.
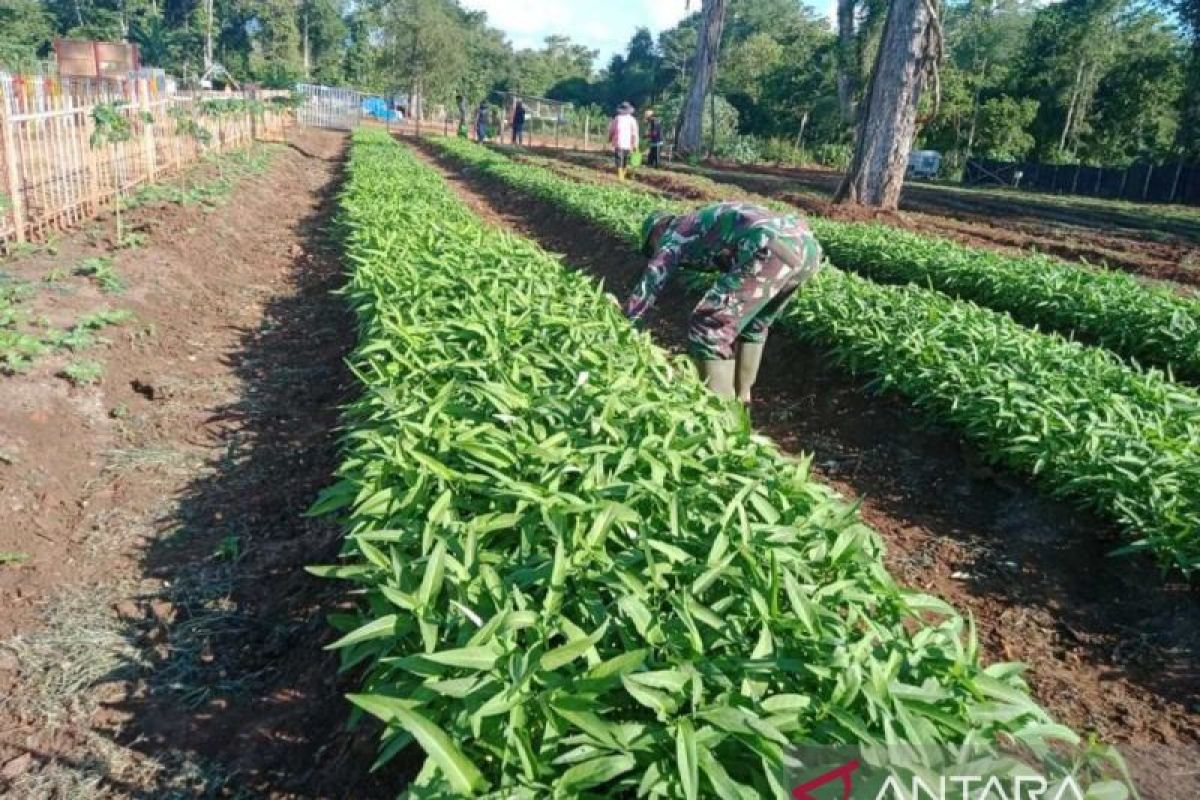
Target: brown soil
pixel 1111 647
pixel 1026 222
pixel 168 503
pixel 1023 224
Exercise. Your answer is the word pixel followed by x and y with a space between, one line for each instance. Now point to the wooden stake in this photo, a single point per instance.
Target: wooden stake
pixel 143 90
pixel 11 174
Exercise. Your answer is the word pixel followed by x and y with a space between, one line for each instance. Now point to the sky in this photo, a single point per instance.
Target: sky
pixel 604 25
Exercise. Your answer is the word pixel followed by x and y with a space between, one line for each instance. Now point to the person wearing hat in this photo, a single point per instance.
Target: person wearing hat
pixel 655 137
pixel 623 135
pixel 762 258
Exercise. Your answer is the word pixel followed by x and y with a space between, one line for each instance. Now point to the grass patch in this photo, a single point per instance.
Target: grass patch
pixel 82 645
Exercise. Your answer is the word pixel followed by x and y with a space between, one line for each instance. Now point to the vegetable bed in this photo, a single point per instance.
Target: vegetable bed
pixel 1144 323
pixel 1111 438
pixel 580 574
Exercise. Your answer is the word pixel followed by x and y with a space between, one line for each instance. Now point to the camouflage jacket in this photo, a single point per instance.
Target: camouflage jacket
pixel 722 236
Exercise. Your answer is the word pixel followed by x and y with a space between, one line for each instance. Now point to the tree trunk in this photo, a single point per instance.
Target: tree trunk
pixel 1188 137
pixel 208 37
pixel 307 61
pixel 689 139
pixel 975 104
pixel 887 117
pixel 1066 131
pixel 803 125
pixel 847 59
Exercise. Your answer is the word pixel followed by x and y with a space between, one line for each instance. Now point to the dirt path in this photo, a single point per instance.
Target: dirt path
pixel 1111 648
pixel 980 222
pixel 159 637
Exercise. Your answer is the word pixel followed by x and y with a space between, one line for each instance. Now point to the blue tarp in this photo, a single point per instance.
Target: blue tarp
pixel 378 107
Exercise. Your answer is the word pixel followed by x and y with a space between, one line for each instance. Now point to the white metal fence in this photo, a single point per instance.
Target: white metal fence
pixel 329 107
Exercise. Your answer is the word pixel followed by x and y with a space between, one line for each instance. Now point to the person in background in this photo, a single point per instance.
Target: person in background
pixel 481 122
pixel 518 124
pixel 461 102
pixel 623 136
pixel 763 258
pixel 654 134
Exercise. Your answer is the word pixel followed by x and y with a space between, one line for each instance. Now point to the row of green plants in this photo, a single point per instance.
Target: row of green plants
pixel 24 338
pixel 581 575
pixel 1086 426
pixel 1149 324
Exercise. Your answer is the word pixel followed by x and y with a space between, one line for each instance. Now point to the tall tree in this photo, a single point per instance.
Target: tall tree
pixel 689 138
pixel 847 60
pixel 909 51
pixel 25 32
pixel 1189 128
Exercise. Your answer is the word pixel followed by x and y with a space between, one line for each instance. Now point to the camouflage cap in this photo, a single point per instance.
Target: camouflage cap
pixel 656 221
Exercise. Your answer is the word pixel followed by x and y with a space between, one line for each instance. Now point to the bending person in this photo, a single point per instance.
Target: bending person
pixel 763 257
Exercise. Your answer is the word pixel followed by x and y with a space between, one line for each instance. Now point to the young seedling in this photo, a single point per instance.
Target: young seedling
pixel 55 276
pixel 100 269
pixel 83 373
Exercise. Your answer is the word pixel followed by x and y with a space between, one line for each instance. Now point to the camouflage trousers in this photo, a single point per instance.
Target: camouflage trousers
pixel 744 302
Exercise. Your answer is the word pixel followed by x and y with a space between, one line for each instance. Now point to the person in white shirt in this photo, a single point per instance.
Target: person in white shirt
pixel 623 135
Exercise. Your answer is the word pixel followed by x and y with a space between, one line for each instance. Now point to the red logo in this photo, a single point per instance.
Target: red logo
pixel 843 772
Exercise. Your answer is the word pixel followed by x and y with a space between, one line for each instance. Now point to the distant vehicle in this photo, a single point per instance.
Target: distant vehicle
pixel 923 164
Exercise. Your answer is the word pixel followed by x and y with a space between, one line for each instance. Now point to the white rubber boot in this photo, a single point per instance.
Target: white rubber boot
pixel 719 376
pixel 749 357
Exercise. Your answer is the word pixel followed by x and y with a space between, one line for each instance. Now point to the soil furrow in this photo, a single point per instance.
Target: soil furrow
pixel 163 639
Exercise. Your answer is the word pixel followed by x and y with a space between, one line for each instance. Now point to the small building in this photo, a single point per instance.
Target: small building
pixel 79 58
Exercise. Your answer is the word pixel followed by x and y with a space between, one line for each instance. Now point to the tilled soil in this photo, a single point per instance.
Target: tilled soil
pixel 1112 648
pixel 160 638
pixel 1094 236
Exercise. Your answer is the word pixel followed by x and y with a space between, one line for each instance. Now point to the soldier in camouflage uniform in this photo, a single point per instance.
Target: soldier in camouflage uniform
pixel 763 257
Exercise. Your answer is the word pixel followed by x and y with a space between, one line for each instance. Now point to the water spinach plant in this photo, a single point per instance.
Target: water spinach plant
pixel 1086 426
pixel 579 574
pixel 1143 322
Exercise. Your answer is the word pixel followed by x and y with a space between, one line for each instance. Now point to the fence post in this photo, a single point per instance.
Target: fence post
pixel 12 176
pixel 251 97
pixel 143 91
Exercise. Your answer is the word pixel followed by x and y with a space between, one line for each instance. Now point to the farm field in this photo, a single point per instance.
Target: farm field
pixel 159 637
pixel 1146 323
pixel 1160 242
pixel 1028 400
pixel 904 473
pixel 376 424
pixel 156 470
